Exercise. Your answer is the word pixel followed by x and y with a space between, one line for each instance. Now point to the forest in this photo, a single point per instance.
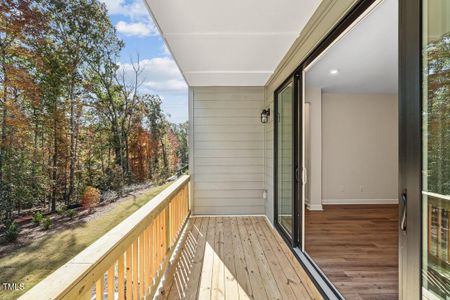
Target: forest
pixel 70 122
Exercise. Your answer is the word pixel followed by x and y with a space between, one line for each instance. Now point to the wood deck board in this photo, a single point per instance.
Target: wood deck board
pixel 233 258
pixel 218 276
pixel 268 278
pixel 242 276
pixel 231 284
pixel 281 267
pixel 205 288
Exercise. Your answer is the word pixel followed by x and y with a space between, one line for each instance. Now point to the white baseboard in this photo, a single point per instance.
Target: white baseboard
pixel 314 207
pixel 358 201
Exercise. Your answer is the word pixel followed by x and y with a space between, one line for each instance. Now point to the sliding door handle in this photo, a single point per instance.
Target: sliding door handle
pixel 404 209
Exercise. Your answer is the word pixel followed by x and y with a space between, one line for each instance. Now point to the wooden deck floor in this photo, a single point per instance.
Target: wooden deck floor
pixel 236 258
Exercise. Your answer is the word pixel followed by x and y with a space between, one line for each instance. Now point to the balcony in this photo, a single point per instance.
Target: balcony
pixel 163 252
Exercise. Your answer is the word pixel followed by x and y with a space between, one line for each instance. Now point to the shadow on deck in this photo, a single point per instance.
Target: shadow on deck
pixel 236 258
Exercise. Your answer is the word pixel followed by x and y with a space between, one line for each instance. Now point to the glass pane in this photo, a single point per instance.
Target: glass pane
pixel 436 149
pixel 285 151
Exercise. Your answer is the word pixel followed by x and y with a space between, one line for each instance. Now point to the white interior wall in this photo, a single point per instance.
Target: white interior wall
pixel 227 150
pixel 360 148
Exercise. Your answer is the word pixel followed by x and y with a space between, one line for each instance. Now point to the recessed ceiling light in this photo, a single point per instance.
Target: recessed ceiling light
pixel 334 71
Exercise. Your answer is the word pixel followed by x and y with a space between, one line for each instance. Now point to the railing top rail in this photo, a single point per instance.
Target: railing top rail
pixel 436 195
pixel 74 278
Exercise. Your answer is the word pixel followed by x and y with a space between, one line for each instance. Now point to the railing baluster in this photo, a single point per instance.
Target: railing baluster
pixel 149 255
pixel 135 270
pixel 111 282
pixel 121 278
pixel 167 227
pixel 87 295
pixel 172 226
pixel 128 262
pixel 430 227
pixel 141 266
pixel 439 233
pixel 176 205
pixel 100 287
pixel 163 234
pixel 157 245
pixel 146 261
pixel 448 236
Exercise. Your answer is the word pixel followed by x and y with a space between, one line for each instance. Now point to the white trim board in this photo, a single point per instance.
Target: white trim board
pixel 358 201
pixel 314 207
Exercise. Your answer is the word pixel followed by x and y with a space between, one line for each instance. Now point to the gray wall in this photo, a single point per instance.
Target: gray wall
pixel 227 150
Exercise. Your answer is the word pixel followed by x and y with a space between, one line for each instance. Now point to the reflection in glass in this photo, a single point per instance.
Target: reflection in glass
pixel 285 151
pixel 436 150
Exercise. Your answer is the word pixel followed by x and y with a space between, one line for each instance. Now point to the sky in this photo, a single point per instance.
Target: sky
pixel 161 75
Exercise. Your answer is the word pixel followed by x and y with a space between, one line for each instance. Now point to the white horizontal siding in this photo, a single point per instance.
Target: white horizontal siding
pixel 227 193
pixel 228 150
pixel 232 170
pixel 229 136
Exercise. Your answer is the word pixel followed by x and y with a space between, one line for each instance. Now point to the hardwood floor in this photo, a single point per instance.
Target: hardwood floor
pixel 356 246
pixel 236 258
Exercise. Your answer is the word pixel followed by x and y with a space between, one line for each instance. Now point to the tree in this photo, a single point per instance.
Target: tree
pixel 22 27
pixel 71 116
pixel 438 115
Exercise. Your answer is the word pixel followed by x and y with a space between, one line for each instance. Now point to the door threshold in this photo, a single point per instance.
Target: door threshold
pixel 326 288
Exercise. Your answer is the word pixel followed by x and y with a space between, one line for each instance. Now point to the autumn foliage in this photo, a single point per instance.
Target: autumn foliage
pixel 71 125
pixel 91 197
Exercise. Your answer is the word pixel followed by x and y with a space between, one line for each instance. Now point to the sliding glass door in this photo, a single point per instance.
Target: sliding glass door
pixel 425 149
pixel 287 155
pixel 436 149
pixel 285 181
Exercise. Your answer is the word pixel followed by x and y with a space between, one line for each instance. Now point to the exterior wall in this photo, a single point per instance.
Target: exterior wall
pixel 227 150
pixel 360 149
pixel 324 19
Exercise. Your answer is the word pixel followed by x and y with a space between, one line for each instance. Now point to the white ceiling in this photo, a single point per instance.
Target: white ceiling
pixel 366 57
pixel 233 42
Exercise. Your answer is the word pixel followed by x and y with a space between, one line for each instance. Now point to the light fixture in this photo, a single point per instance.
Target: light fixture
pixel 265 114
pixel 334 71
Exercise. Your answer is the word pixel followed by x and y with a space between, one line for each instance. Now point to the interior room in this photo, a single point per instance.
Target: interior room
pixel 351 158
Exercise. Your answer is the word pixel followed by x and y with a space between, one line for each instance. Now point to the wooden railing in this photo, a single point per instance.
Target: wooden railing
pixel 438 226
pixel 127 262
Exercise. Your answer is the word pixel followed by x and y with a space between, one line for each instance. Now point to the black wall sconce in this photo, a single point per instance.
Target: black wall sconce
pixel 265 114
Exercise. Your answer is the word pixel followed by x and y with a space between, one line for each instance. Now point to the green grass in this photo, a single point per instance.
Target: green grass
pixel 34 262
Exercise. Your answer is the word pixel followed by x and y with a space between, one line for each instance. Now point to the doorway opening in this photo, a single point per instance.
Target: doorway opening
pixel 339 139
pixel 351 157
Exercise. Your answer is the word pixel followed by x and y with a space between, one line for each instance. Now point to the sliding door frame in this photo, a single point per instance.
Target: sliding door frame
pixel 410 148
pixel 410 151
pixel 292 238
